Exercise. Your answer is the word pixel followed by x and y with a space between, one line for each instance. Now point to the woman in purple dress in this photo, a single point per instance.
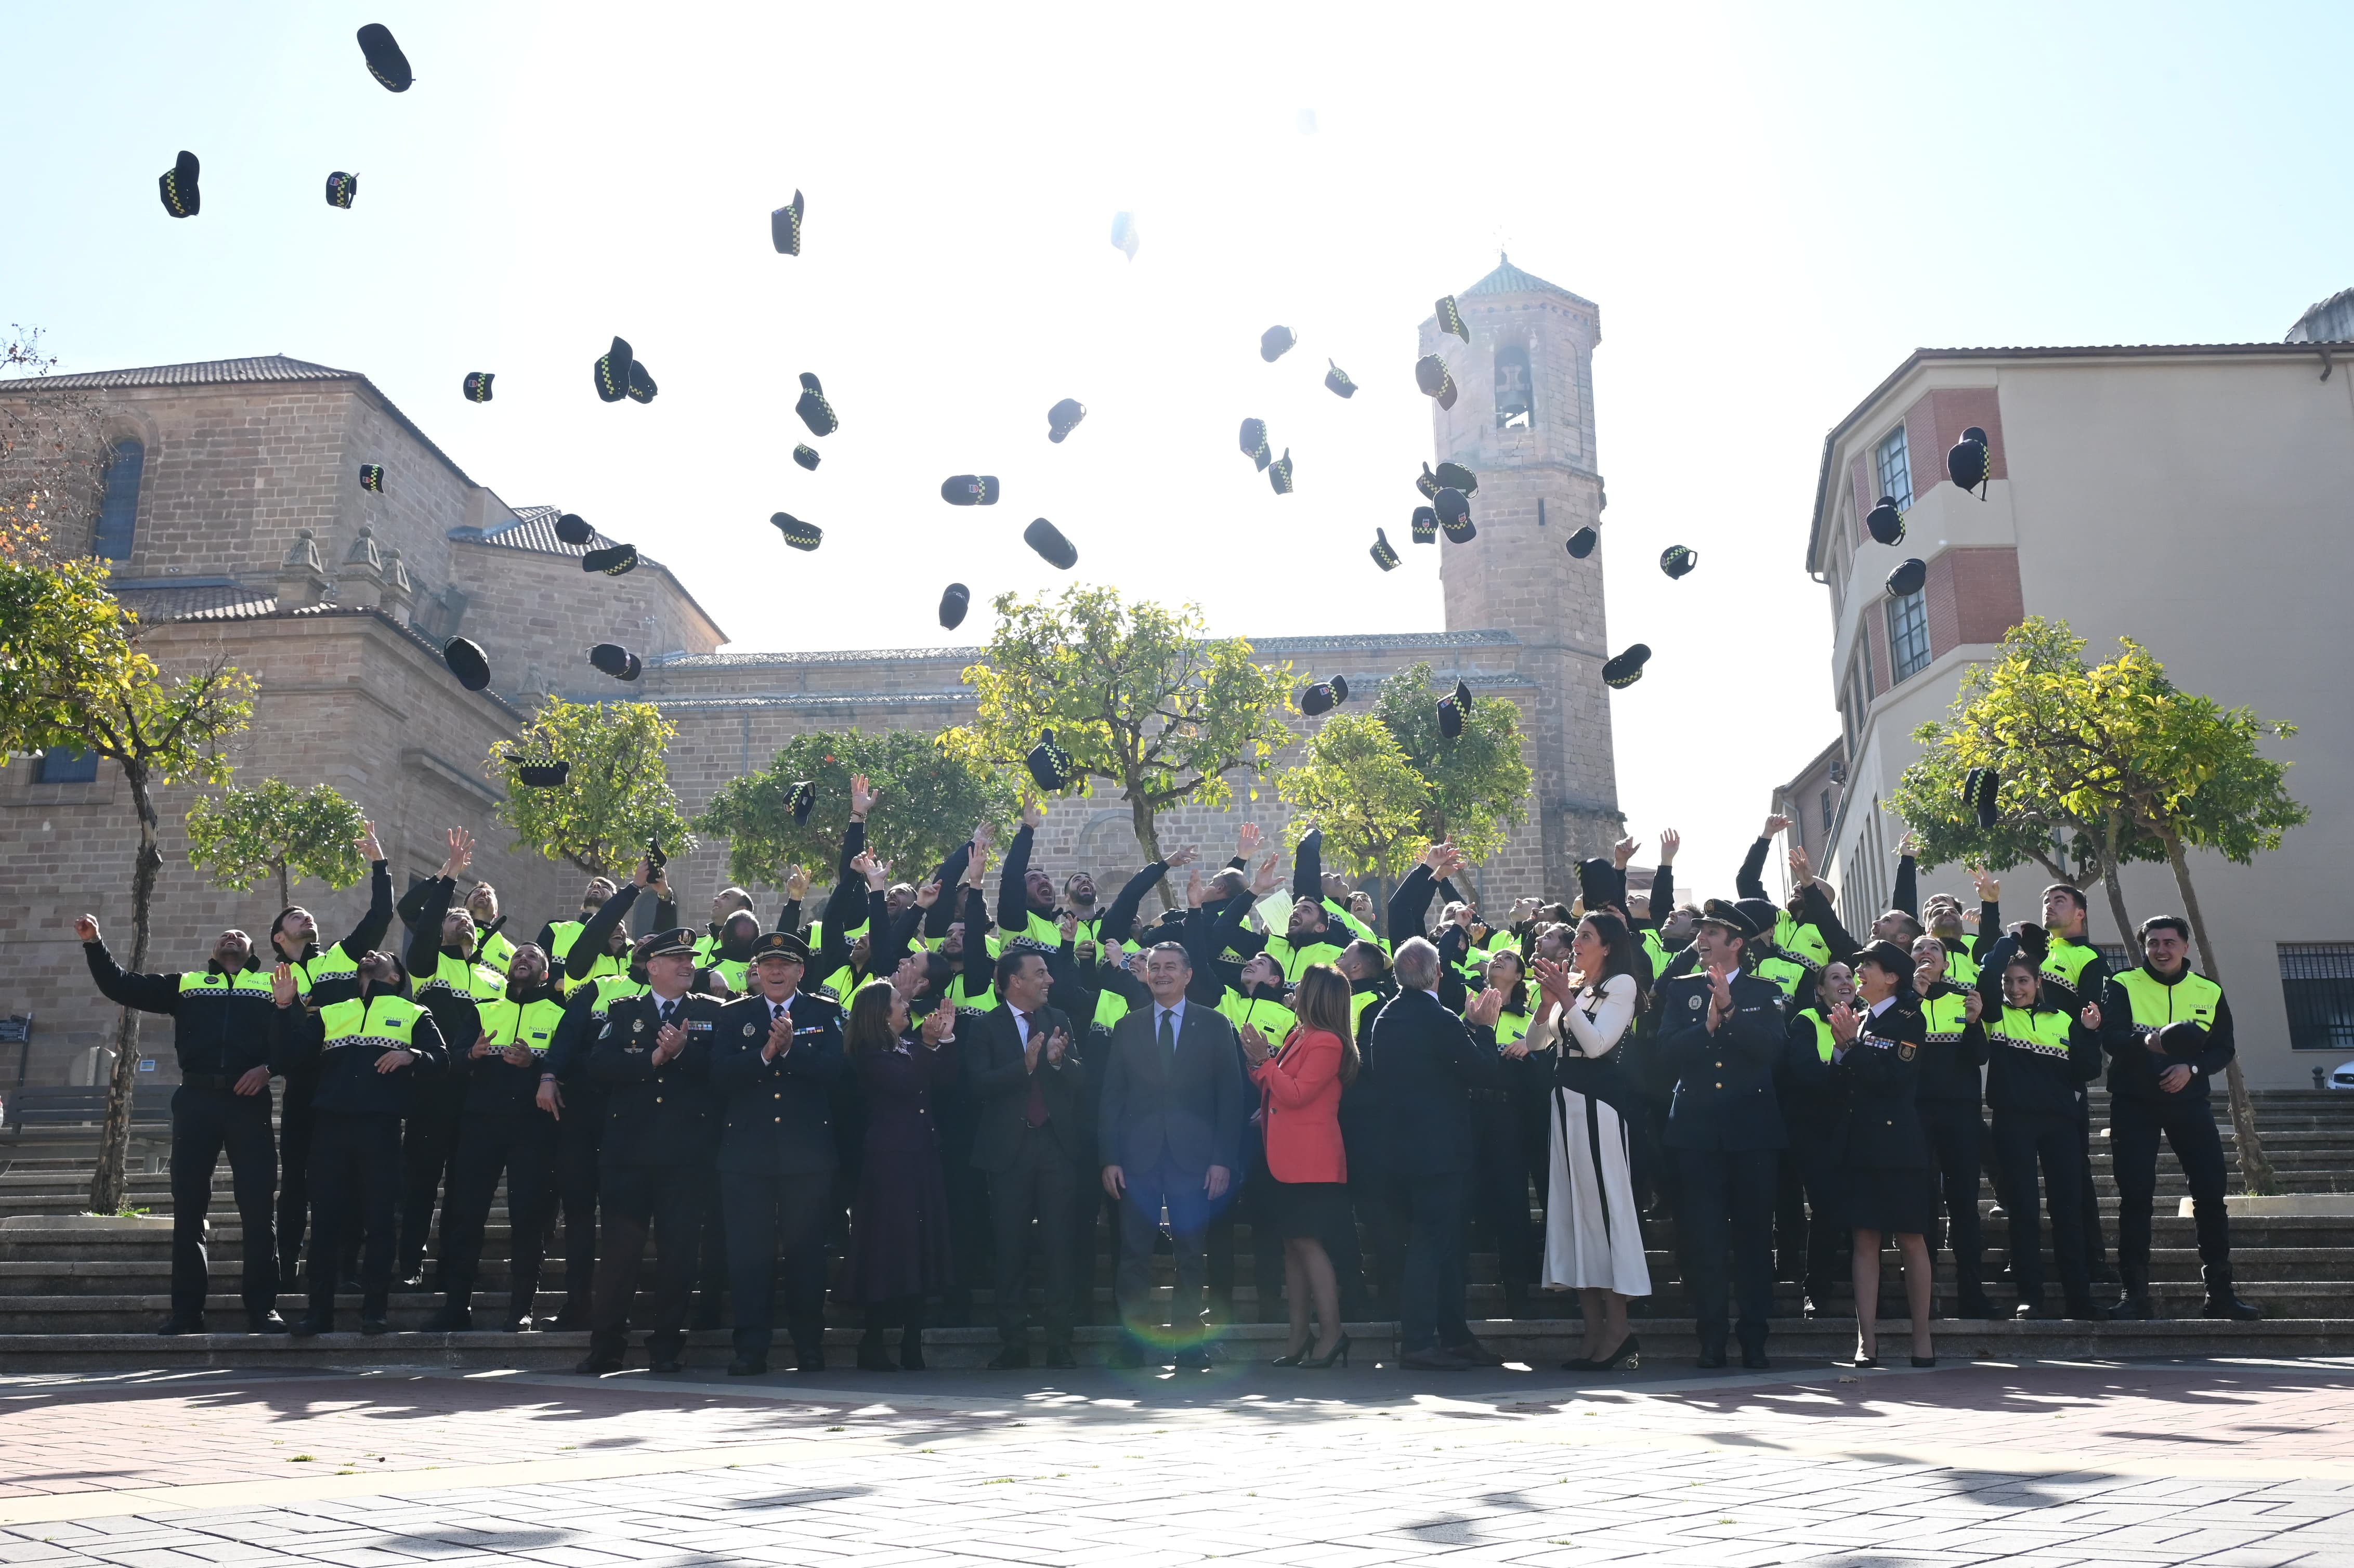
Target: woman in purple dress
pixel 899 1249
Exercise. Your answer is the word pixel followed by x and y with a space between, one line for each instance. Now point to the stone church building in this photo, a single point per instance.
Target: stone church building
pixel 235 525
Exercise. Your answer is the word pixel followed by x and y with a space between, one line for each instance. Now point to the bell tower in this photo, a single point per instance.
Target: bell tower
pixel 1523 422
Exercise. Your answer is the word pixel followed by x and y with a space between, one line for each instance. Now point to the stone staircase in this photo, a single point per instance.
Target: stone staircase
pixel 90 1298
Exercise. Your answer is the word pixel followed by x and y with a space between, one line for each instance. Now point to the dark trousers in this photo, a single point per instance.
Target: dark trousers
pixel 1499 1194
pixel 1957 1143
pixel 969 1224
pixel 2088 1199
pixel 522 1144
pixel 1725 1201
pixel 711 1271
pixel 207 1124
pixel 1250 1202
pixel 2134 1126
pixel 428 1143
pixel 1430 1277
pixel 354 1192
pixel 773 1221
pixel 1530 1088
pixel 1190 1213
pixel 1039 1185
pixel 2023 1142
pixel 1091 1206
pixel 634 1199
pixel 580 1133
pixel 1809 1231
pixel 294 1119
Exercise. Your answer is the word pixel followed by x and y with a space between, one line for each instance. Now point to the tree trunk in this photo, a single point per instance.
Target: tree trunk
pixel 107 1182
pixel 2117 906
pixel 2256 1170
pixel 285 887
pixel 1148 835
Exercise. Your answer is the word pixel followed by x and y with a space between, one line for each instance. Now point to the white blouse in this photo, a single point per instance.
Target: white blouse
pixel 1596 1026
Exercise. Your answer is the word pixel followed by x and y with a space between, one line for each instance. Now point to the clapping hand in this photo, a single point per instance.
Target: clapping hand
pixel 669 1043
pixel 1487 1007
pixel 939 1027
pixel 282 979
pixel 1057 1044
pixel 1254 1045
pixel 780 1041
pixel 1553 980
pixel 1846 1024
pixel 1720 997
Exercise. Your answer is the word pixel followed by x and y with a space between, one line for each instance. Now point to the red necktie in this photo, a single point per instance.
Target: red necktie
pixel 1036 1112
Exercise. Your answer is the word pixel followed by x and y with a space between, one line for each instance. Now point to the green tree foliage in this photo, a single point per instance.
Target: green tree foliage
pixel 1137 694
pixel 928 803
pixel 1355 782
pixel 618 796
pixel 2128 761
pixel 1479 784
pixel 240 836
pixel 72 674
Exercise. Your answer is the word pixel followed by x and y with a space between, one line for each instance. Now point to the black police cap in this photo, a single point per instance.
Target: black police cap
pixel 800 536
pixel 1908 577
pixel 785 227
pixel 1967 464
pixel 1336 381
pixel 786 945
pixel 1429 483
pixel 805 455
pixel 1047 540
pixel 1424 524
pixel 1064 418
pixel 1455 476
pixel 1451 712
pixel 1254 442
pixel 1316 699
pixel 1455 516
pixel 1582 542
pixel 384 61
pixel 1279 473
pixel 671 944
pixel 1050 765
pixel 177 186
pixel 2181 1041
pixel 615 661
pixel 1677 559
pixel 803 802
pixel 612 372
pixel 1884 955
pixel 2034 941
pixel 1980 792
pixel 1275 342
pixel 372 477
pixel 1885 523
pixel 1340 688
pixel 341 188
pixel 468 662
pixel 1385 554
pixel 1431 374
pixel 1626 668
pixel 619 560
pixel 654 856
pixel 540 775
pixel 641 387
pixel 477 386
pixel 814 411
pixel 954 602
pixel 971 490
pixel 573 529
pixel 1732 917
pixel 1450 318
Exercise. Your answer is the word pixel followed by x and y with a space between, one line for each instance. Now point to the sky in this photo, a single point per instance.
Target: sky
pixel 1771 205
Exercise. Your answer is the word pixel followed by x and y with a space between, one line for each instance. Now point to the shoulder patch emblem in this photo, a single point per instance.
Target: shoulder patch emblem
pixel 1694 1003
pixel 606 1032
pixel 748 1030
pixel 1907 1051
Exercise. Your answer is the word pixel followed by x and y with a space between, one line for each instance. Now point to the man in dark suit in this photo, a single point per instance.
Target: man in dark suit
pixel 1429 1065
pixel 1721 1032
pixel 652 1055
pixel 1026 1083
pixel 777 1055
pixel 1170 1129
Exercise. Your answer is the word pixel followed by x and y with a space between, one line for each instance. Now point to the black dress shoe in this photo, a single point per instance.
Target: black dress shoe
pixel 1476 1353
pixel 178 1323
pixel 1433 1360
pixel 1862 1363
pixel 450 1321
pixel 597 1366
pixel 748 1366
pixel 667 1364
pixel 1013 1358
pixel 264 1323
pixel 2131 1308
pixel 2033 1313
pixel 2226 1304
pixel 1710 1361
pixel 516 1323
pixel 413 1280
pixel 373 1326
pixel 313 1323
pixel 811 1361
pixel 1754 1360
pixel 1060 1358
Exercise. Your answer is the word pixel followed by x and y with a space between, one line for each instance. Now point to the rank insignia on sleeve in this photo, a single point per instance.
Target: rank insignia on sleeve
pixel 1907 1051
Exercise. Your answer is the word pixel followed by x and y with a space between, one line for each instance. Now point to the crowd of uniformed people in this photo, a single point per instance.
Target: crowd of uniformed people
pixel 921 1094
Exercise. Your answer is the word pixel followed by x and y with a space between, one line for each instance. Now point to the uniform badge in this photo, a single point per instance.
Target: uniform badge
pixel 748 1030
pixel 606 1032
pixel 1693 1004
pixel 1906 1052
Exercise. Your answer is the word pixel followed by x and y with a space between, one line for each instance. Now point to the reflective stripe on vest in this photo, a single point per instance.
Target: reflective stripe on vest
pixel 384 1022
pixel 1802 942
pixel 2044 1033
pixel 462 978
pixel 530 1024
pixel 1272 1019
pixel 1511 1026
pixel 331 964
pixel 1787 973
pixel 2193 998
pixel 611 988
pixel 248 985
pixel 2064 961
pixel 1960 968
pixel 1945 1016
pixel 1110 1008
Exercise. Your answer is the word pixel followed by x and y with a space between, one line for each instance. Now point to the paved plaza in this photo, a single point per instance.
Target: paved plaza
pixel 2237 1464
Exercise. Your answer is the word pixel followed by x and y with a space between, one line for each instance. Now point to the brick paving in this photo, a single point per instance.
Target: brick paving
pixel 2233 1464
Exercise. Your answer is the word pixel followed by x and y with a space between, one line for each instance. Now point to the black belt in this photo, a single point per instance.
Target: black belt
pixel 221 1081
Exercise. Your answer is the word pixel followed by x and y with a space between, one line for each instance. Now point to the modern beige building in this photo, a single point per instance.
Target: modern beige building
pixel 2198 498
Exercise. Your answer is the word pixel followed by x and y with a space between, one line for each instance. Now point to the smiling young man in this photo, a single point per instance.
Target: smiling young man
pixel 2169 1033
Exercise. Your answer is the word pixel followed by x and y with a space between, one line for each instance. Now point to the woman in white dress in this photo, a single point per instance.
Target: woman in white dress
pixel 1594 1241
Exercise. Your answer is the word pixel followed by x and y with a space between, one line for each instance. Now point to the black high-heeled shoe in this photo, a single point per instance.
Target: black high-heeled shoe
pixel 1864 1364
pixel 1340 1354
pixel 1627 1357
pixel 1925 1361
pixel 1290 1359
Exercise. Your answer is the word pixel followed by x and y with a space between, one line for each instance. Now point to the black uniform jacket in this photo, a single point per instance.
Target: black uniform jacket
pixel 216 1031
pixel 1723 1095
pixel 1882 1074
pixel 349 1082
pixel 657 1116
pixel 1430 1062
pixel 779 1112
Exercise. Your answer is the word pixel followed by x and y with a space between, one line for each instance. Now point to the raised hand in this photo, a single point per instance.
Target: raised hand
pixel 927 895
pixel 1990 889
pixel 1435 856
pixel 1183 857
pixel 1801 866
pixel 1269 878
pixel 86 928
pixel 1247 841
pixel 1070 925
pixel 369 849
pixel 1909 845
pixel 1670 841
pixel 1774 824
pixel 1624 851
pixel 976 870
pixel 862 797
pixel 645 875
pixel 797 881
pixel 876 872
pixel 1032 814
pixel 282 979
pixel 462 852
pixel 1194 892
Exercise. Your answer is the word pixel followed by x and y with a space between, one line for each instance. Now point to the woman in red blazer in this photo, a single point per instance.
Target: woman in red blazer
pixel 1299 1104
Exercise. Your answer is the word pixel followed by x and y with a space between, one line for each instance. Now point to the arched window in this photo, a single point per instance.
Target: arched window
pixel 1515 398
pixel 118 509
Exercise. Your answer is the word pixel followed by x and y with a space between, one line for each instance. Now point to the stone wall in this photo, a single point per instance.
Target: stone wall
pixel 537 615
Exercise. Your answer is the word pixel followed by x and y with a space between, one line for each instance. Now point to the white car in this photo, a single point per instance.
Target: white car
pixel 2342 1076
